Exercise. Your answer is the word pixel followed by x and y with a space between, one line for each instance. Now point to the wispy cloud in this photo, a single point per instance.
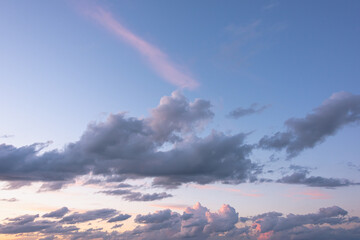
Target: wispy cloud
pixel 9 200
pixel 241 112
pixel 313 194
pixel 159 61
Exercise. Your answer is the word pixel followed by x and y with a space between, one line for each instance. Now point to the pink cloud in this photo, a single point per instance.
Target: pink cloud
pixel 157 59
pixel 171 206
pixel 312 194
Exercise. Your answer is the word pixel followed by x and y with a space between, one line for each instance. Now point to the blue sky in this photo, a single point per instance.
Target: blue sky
pixel 173 78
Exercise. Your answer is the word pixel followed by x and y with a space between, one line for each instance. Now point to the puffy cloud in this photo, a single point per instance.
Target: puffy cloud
pixel 340 109
pixel 197 222
pixel 175 114
pixel 274 221
pixel 124 147
pixel 157 217
pixel 241 112
pixel 222 221
pixel 165 147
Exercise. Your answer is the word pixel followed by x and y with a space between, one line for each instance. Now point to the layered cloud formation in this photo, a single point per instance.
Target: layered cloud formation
pixel 131 148
pixel 196 222
pixel 166 147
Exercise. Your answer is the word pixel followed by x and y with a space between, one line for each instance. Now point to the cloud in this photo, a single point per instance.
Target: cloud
pixel 6 136
pixel 196 222
pixel 301 178
pixel 57 213
pixel 158 217
pixel 176 115
pixel 166 148
pixel 9 199
pixel 115 149
pixel 339 110
pixel 16 184
pixel 137 196
pixel 274 221
pixel 53 186
pixel 102 214
pixel 117 226
pixel 241 112
pixel 118 218
pixel 158 60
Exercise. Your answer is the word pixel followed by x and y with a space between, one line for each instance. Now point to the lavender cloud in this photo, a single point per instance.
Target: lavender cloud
pixel 136 196
pixel 241 112
pixel 312 181
pixel 57 213
pixel 339 110
pixel 199 223
pixel 118 146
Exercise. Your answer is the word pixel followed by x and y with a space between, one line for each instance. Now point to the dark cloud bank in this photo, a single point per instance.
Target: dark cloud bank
pixel 196 222
pixel 125 147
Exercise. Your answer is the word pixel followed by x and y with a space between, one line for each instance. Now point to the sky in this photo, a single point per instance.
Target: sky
pixel 179 119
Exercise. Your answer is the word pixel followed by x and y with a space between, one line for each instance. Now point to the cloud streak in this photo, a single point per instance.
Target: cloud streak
pixel 158 60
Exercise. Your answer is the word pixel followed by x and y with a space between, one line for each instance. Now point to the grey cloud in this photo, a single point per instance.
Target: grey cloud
pixel 353 166
pixel 301 178
pixel 157 217
pixel 23 224
pixel 6 136
pixel 26 228
pixel 275 222
pixel 9 199
pixel 23 219
pixel 123 185
pixel 241 112
pixel 199 224
pixel 117 226
pixel 120 217
pixel 53 186
pixel 59 213
pixel 340 109
pixel 48 238
pixel 137 196
pixel 175 115
pixel 117 147
pixel 319 233
pixel 16 185
pixel 102 214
